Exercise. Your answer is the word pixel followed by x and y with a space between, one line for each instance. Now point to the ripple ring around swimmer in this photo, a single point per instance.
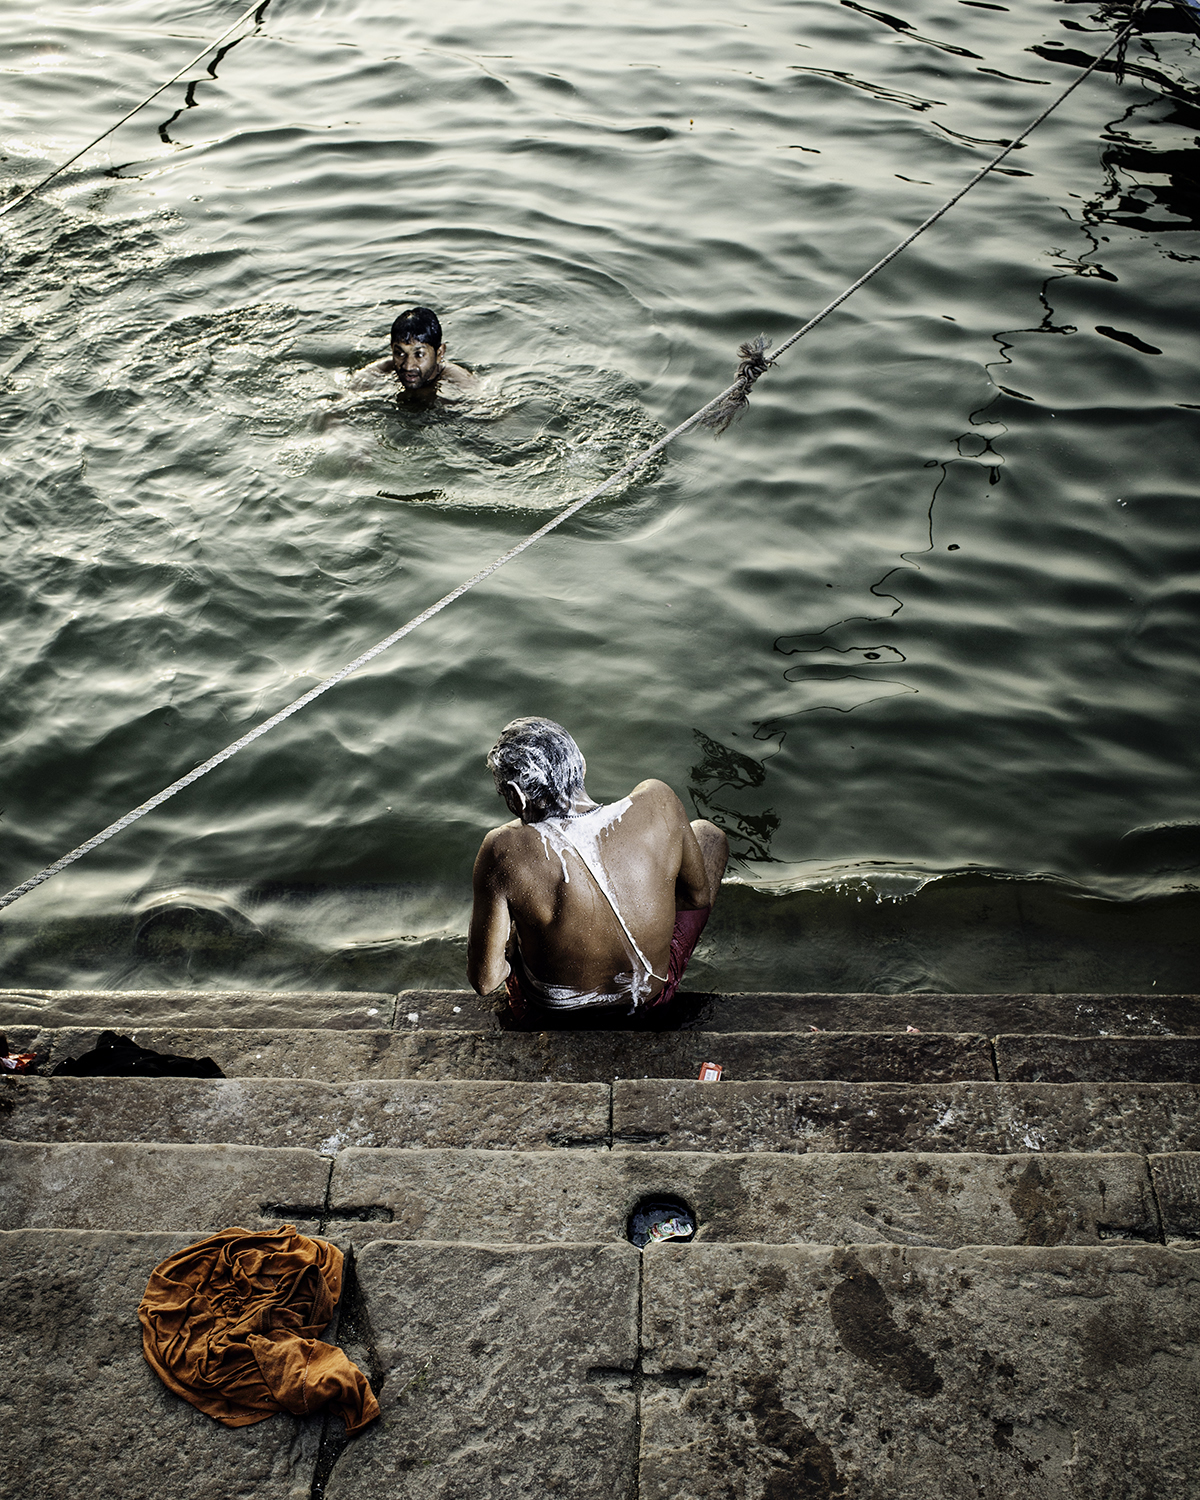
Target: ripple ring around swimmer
pixel 725 404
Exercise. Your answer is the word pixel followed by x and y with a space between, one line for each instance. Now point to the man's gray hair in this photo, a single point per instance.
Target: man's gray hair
pixel 539 769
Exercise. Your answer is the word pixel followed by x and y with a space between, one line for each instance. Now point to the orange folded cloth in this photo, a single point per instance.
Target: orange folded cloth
pixel 230 1325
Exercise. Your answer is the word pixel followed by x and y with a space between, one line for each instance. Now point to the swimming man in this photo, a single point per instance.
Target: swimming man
pixel 417 362
pixel 604 904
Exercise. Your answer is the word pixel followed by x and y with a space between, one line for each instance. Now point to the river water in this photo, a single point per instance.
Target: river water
pixel 927 612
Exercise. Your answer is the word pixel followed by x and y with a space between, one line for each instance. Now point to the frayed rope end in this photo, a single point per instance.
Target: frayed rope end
pixel 751 364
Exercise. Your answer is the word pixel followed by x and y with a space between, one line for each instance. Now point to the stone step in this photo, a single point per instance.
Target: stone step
pixel 639 1114
pixel 997 1118
pixel 321 1116
pixel 343 1010
pixel 910 1373
pixel 991 1015
pixel 1062 1059
pixel 600 1056
pixel 1065 1015
pixel 85 1414
pixel 574 1196
pixel 548 1056
pixel 596 1371
pixel 898 1198
pixel 198 1189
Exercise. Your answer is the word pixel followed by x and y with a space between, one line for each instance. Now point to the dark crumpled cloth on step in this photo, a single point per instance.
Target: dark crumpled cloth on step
pixel 230 1324
pixel 116 1056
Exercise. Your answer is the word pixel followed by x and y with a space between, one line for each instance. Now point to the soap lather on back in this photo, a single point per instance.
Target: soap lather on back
pixel 578 904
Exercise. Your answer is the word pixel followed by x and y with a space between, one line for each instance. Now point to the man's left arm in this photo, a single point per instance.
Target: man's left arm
pixel 487 967
pixel 692 891
pixel 691 884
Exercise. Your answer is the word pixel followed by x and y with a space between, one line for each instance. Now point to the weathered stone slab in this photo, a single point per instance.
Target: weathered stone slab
pixel 1177 1183
pixel 151 1187
pixel 873 1372
pixel 1113 1059
pixel 332 1056
pixel 450 1010
pixel 505 1372
pixel 1066 1015
pixel 118 1010
pixel 35 1039
pixel 83 1412
pixel 993 1117
pixel 320 1116
pixel 559 1056
pixel 904 1198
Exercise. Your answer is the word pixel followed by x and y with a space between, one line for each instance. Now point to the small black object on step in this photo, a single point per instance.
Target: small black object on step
pixel 660 1217
pixel 116 1056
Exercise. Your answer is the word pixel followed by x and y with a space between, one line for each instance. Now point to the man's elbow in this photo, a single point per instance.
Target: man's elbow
pixel 484 977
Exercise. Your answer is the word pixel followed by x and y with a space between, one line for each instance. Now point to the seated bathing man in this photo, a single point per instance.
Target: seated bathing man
pixel 605 903
pixel 417 361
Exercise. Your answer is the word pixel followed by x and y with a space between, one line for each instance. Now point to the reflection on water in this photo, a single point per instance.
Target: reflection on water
pixel 928 608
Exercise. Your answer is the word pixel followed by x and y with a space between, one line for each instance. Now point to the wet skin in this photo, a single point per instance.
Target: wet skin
pixel 657 863
pixel 418 368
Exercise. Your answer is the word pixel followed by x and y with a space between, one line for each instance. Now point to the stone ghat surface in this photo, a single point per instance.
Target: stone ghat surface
pixel 84 1415
pixel 758 1371
pixel 573 1196
pixel 634 1114
pixel 323 1117
pixel 590 1056
pixel 1074 1015
pixel 1001 1118
pixel 554 1056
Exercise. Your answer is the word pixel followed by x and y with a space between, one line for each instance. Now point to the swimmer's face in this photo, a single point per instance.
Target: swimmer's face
pixel 417 363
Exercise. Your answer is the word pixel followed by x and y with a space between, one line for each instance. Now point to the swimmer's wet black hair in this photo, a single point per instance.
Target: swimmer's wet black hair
pixel 417 323
pixel 539 769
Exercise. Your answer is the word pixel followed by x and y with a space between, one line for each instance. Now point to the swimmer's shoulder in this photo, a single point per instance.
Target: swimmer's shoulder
pixel 372 375
pixel 460 376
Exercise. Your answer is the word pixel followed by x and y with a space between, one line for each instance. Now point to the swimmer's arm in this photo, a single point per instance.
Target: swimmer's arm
pixel 487 967
pixel 369 376
pixel 457 375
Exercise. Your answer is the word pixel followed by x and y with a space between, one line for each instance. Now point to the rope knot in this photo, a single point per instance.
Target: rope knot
pixel 752 362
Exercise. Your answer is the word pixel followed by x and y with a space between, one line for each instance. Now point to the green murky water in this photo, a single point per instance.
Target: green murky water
pixel 928 610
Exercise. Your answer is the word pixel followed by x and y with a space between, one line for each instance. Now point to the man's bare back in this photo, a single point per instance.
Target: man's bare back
pixel 593 893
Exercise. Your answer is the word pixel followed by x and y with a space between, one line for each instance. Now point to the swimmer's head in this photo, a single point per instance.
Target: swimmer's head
pixel 539 769
pixel 417 347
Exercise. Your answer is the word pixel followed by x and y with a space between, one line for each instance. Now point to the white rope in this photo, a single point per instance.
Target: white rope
pixel 950 202
pixel 506 557
pixel 38 186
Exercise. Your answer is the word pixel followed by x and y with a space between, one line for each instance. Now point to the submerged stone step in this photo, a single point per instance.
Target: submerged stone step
pixel 121 1009
pixel 1067 1015
pixel 998 1118
pixel 123 1186
pixel 557 1056
pixel 85 1414
pixel 321 1116
pixel 902 1198
pixel 505 1371
pixel 1069 1059
pixel 1076 1015
pixel 915 1373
